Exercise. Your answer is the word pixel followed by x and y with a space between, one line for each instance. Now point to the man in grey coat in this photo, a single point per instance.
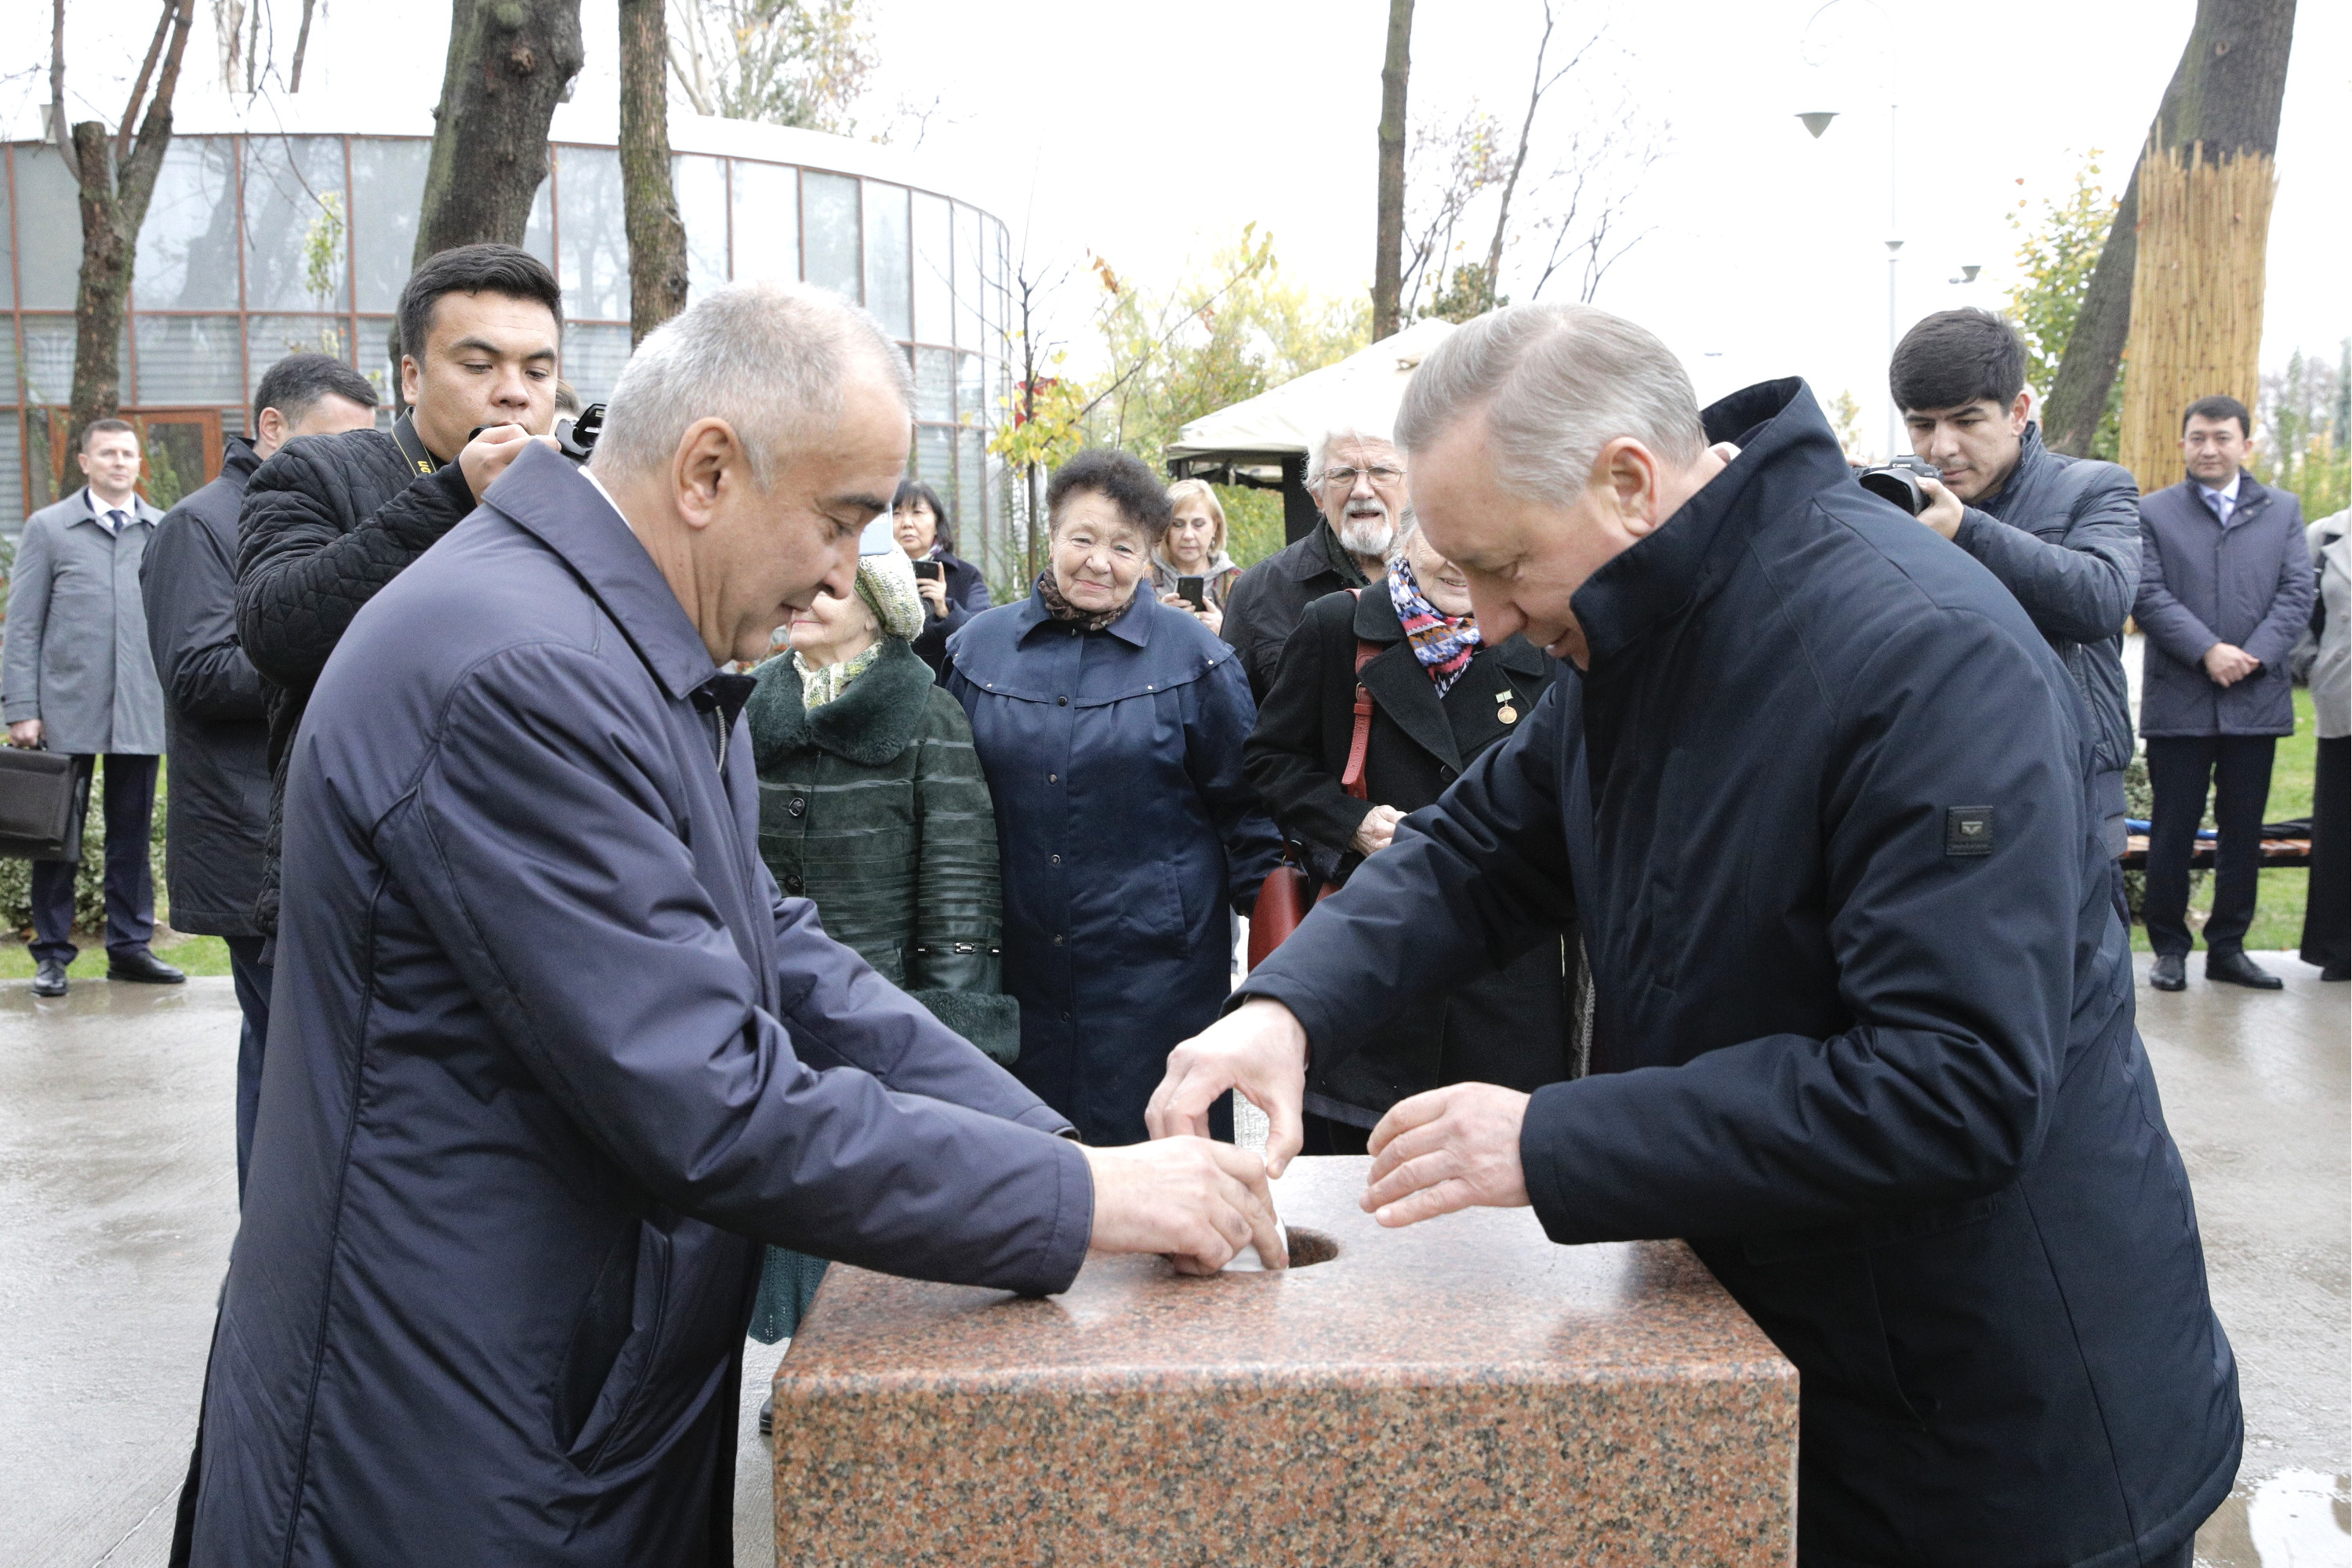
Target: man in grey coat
pixel 552 1058
pixel 2225 590
pixel 2061 533
pixel 217 705
pixel 77 678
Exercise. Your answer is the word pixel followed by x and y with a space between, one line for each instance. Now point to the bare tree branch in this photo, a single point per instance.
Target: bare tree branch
pixel 63 137
pixel 302 47
pixel 139 88
pixel 1539 85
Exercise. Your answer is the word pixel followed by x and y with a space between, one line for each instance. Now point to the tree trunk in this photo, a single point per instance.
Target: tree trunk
pixel 658 275
pixel 511 62
pixel 2221 106
pixel 1388 260
pixel 114 196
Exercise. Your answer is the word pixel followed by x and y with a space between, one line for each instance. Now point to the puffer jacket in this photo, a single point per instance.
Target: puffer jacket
pixel 873 809
pixel 2063 536
pixel 326 521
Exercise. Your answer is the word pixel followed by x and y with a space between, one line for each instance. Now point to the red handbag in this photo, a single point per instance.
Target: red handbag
pixel 1289 892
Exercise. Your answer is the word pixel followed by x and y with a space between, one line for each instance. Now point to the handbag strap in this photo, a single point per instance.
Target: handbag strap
pixel 1352 780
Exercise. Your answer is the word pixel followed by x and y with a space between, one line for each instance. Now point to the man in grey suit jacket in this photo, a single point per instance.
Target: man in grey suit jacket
pixel 77 677
pixel 2225 589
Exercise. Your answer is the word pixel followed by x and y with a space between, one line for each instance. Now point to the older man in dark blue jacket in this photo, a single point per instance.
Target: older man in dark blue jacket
pixel 552 1058
pixel 1864 1030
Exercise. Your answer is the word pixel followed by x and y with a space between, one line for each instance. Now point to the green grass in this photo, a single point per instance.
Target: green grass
pixel 196 954
pixel 2278 904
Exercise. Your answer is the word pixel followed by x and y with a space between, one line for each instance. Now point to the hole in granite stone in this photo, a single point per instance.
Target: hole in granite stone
pixel 1311 1246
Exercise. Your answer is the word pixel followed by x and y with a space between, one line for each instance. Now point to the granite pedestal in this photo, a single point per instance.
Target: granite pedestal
pixel 1458 1391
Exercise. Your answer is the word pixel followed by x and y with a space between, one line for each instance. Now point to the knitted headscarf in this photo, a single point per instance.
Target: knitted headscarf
pixel 887 583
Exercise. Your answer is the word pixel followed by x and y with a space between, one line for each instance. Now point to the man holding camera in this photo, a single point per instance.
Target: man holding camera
pixel 2061 533
pixel 330 519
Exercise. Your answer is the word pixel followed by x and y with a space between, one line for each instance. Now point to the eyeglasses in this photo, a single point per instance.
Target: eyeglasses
pixel 1344 478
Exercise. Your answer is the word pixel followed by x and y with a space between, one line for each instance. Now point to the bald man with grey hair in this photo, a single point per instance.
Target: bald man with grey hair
pixel 1863 1029
pixel 551 1058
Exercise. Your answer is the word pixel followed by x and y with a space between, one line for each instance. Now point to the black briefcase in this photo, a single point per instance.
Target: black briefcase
pixel 40 806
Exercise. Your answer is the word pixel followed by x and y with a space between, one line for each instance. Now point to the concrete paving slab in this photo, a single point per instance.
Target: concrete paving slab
pixel 118 1197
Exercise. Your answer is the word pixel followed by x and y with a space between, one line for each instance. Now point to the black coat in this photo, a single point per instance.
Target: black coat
pixel 551 1057
pixel 215 708
pixel 1266 601
pixel 967 597
pixel 2064 536
pixel 326 521
pixel 1512 1026
pixel 1880 1069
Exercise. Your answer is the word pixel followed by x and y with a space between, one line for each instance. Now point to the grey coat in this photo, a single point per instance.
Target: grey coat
pixel 2249 585
pixel 2063 538
pixel 77 655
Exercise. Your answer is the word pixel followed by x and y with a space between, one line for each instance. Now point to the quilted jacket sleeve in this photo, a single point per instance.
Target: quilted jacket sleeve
pixel 959 918
pixel 308 557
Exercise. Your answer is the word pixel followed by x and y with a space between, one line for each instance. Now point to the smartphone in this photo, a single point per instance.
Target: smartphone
pixel 1193 591
pixel 935 570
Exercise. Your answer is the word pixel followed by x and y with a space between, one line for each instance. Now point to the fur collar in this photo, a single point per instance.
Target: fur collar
pixel 868 724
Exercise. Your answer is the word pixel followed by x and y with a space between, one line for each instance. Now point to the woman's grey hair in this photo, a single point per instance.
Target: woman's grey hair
pixel 1408 523
pixel 771 359
pixel 1557 384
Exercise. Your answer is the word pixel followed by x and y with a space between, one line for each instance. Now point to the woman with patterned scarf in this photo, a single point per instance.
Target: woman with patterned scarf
pixel 1110 726
pixel 872 806
pixel 1438 697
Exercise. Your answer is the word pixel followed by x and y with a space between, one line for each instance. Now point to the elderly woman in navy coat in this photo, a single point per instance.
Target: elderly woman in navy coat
pixel 1110 727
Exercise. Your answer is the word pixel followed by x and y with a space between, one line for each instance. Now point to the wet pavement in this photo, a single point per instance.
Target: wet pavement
pixel 118 1198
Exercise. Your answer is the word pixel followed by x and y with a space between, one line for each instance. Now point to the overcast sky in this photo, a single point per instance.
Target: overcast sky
pixel 1150 134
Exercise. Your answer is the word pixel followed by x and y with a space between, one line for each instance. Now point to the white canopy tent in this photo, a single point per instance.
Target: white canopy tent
pixel 1264 441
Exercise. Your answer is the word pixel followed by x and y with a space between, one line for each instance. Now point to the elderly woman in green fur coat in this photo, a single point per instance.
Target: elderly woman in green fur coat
pixel 872 806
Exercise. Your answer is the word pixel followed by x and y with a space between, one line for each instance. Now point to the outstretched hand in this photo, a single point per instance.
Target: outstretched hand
pixel 1194 1201
pixel 1259 1049
pixel 1452 1147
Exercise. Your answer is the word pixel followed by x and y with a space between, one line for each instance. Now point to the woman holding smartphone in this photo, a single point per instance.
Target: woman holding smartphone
pixel 952 588
pixel 1190 569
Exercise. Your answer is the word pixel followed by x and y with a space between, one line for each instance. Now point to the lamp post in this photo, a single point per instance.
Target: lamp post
pixel 1818 120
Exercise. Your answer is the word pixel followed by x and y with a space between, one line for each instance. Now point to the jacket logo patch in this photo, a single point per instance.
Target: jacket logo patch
pixel 1967 830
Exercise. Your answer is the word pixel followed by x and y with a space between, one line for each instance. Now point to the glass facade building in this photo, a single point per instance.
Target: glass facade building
pixel 259 245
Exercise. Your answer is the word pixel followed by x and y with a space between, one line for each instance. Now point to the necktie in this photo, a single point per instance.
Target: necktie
pixel 114 522
pixel 2220 505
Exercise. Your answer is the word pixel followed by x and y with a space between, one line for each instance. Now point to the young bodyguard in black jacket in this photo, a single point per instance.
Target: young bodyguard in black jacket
pixel 330 519
pixel 216 703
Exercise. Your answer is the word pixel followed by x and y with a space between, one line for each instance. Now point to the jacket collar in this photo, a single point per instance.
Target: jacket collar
pixel 137 510
pixel 1318 553
pixel 868 724
pixel 238 458
pixel 1787 455
pixel 2031 455
pixel 1133 625
pixel 550 499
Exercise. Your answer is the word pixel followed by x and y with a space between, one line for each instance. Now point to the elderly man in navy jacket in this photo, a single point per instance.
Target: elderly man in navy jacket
pixel 551 1057
pixel 1863 1029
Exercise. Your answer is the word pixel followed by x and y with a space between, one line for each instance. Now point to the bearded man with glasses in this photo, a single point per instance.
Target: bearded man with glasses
pixel 1358 481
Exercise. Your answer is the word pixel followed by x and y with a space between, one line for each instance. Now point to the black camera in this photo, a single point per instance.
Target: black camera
pixel 1898 481
pixel 575 438
pixel 578 437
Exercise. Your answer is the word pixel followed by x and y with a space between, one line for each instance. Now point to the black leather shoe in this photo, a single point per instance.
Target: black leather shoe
pixel 2236 969
pixel 2336 971
pixel 768 1416
pixel 2167 974
pixel 144 966
pixel 49 979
